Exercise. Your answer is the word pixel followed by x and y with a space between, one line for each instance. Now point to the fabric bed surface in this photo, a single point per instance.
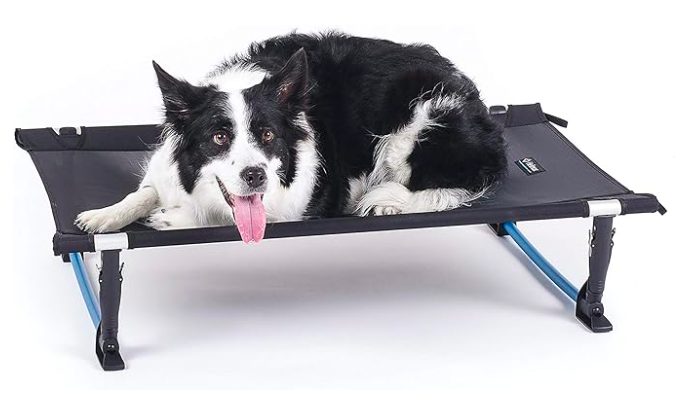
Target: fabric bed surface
pixel 100 165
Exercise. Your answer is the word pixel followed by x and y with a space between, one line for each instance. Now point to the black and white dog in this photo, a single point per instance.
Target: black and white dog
pixel 314 126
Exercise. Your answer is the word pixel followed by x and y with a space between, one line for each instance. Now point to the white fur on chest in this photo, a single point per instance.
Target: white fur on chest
pixel 288 203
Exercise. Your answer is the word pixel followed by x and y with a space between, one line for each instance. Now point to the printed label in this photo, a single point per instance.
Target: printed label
pixel 529 166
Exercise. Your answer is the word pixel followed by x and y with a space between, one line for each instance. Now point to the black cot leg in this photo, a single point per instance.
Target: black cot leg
pixel 110 279
pixel 589 308
pixel 66 257
pixel 498 229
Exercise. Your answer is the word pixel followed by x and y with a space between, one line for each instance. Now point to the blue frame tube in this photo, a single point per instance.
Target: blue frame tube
pixel 541 263
pixel 85 288
pixel 532 253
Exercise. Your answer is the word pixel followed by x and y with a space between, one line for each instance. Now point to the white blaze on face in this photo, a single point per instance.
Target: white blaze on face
pixel 243 151
pixel 247 209
pixel 237 78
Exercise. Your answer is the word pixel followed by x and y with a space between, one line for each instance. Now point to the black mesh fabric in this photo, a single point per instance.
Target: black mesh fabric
pixel 100 165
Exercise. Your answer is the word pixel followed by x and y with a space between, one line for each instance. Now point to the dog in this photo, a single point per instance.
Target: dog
pixel 304 126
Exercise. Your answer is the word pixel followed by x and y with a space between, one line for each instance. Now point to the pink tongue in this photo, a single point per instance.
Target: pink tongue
pixel 251 219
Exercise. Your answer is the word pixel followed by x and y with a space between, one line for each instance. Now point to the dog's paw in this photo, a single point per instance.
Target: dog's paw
pixel 167 219
pixel 158 220
pixel 98 221
pixel 386 210
pixel 388 198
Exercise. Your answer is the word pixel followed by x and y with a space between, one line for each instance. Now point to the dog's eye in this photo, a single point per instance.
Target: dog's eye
pixel 267 136
pixel 220 137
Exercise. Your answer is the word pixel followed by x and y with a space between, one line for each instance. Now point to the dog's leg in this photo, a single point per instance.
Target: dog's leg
pixel 136 205
pixel 384 191
pixel 171 218
pixel 446 156
pixel 390 198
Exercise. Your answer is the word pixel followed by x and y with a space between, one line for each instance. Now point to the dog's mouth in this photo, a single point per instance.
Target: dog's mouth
pixel 249 214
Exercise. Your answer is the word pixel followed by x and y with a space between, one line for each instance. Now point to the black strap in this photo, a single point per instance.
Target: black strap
pixel 556 120
pixel 518 115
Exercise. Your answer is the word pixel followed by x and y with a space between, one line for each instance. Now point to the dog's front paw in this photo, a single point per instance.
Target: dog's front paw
pixel 168 219
pixel 158 220
pixel 98 221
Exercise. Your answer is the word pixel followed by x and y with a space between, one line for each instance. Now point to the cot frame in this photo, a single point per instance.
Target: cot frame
pixel 103 307
pixel 589 308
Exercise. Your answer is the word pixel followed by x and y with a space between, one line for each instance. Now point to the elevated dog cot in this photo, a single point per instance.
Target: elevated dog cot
pixel 548 178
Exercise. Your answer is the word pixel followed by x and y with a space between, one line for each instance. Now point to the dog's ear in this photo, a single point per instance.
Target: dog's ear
pixel 291 81
pixel 179 96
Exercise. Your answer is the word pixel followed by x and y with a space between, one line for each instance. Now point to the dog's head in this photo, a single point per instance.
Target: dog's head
pixel 236 134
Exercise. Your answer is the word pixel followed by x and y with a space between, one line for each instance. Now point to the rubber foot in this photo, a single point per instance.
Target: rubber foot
pixel 596 322
pixel 109 359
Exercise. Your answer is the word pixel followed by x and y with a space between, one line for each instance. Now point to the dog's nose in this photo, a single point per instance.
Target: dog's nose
pixel 254 176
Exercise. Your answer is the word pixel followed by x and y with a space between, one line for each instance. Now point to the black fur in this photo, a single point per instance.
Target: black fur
pixel 275 104
pixel 194 112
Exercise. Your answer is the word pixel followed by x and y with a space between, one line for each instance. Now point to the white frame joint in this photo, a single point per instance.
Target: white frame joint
pixel 604 208
pixel 110 241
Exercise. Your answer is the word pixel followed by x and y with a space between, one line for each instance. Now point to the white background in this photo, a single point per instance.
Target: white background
pixel 418 323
